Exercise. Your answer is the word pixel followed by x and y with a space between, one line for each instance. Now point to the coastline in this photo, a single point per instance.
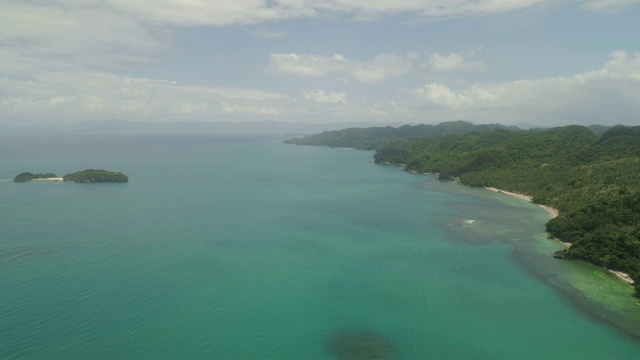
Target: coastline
pixel 553 213
pixel 49 179
pixel 624 276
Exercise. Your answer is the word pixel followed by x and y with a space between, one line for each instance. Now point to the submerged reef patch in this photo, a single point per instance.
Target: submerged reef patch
pixel 358 345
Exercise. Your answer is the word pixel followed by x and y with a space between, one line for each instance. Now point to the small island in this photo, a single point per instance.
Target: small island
pixel 85 176
pixel 27 176
pixel 93 175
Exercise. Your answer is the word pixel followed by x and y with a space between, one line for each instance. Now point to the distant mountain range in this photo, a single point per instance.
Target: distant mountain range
pixel 257 127
pixel 375 138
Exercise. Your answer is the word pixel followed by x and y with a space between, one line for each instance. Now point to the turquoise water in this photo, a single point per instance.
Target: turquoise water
pixel 241 247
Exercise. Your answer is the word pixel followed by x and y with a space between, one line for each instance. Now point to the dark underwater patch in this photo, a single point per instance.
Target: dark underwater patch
pixel 358 345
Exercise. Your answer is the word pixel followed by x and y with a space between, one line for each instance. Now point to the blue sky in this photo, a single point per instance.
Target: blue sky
pixel 539 62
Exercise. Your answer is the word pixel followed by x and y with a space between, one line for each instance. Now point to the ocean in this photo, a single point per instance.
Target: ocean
pixel 240 247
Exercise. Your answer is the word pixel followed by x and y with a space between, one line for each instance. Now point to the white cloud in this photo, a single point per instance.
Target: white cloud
pixel 442 95
pixel 265 34
pixel 455 62
pixel 226 12
pixel 382 67
pixel 607 95
pixel 307 65
pixel 108 35
pixel 613 89
pixel 322 97
pixel 75 97
pixel 609 5
pixel 251 110
pixel 52 37
pixel 56 57
pixel 204 12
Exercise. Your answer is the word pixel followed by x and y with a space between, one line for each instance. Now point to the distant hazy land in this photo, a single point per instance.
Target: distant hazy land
pixel 256 127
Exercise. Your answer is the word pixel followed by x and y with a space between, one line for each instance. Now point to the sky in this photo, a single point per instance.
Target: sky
pixel 535 62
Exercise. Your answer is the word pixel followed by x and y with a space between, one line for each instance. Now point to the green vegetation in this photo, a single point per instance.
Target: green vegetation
pixel 381 137
pixel 27 176
pixel 92 175
pixel 89 175
pixel 591 177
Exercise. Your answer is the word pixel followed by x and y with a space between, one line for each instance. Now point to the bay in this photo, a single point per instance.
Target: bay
pixel 241 247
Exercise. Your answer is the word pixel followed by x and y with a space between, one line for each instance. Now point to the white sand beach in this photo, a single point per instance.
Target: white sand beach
pixel 554 213
pixel 49 179
pixel 551 211
pixel 624 276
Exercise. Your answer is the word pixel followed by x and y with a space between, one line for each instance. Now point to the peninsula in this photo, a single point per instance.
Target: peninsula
pixel 85 176
pixel 589 174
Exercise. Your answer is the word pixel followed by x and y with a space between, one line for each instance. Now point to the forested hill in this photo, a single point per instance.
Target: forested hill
pixel 375 138
pixel 96 176
pixel 593 180
pixel 590 174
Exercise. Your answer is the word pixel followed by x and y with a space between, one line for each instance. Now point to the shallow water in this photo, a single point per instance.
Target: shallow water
pixel 240 247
